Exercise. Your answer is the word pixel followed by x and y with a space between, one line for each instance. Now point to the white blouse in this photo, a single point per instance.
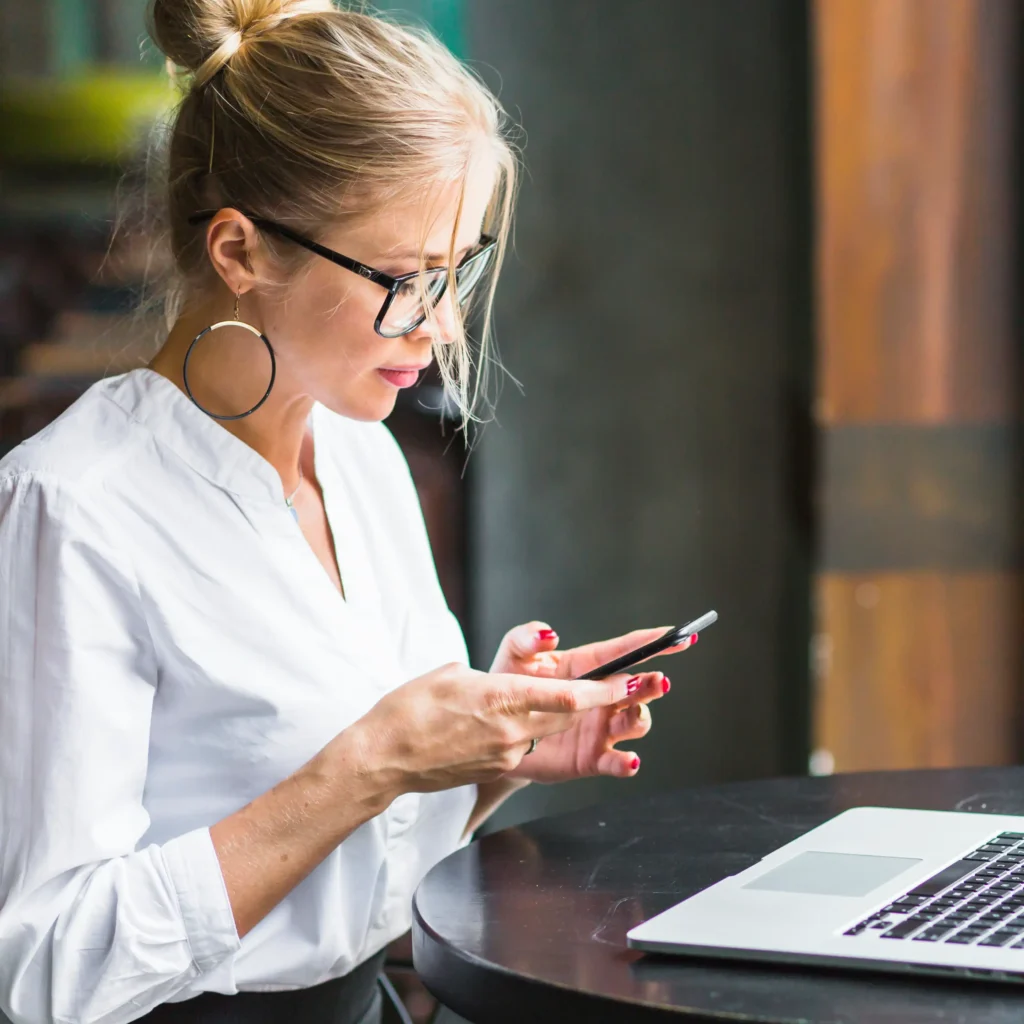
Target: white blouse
pixel 170 648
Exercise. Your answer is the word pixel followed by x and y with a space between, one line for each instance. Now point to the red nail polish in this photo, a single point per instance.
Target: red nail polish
pixel 633 685
pixel 694 639
pixel 546 634
pixel 665 685
pixel 635 763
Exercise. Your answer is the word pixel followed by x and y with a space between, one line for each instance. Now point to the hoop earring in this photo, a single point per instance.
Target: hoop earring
pixel 252 330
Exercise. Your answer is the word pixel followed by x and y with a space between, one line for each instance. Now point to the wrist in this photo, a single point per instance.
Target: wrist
pixel 355 773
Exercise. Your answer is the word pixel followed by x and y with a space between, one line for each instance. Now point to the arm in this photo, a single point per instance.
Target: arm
pixel 92 928
pixel 273 843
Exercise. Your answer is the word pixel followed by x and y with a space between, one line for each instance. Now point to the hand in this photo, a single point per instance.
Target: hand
pixel 455 726
pixel 588 747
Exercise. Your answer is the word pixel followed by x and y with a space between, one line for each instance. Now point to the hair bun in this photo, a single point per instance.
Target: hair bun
pixel 201 36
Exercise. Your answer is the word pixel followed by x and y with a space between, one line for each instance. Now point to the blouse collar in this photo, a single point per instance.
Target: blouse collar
pixel 215 453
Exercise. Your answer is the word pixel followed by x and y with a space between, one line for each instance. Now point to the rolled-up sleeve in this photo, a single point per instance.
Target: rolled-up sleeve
pixel 92 928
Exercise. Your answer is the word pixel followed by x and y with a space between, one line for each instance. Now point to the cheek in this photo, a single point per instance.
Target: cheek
pixel 327 326
pixel 328 348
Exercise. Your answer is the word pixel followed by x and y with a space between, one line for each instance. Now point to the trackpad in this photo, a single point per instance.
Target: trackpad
pixel 833 874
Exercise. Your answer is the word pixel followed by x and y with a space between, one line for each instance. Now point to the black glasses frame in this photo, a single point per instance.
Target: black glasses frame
pixel 392 284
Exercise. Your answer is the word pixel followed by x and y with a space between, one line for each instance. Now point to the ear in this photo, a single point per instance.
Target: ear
pixel 231 240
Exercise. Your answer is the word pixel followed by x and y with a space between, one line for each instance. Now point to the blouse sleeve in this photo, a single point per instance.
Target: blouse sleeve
pixel 92 929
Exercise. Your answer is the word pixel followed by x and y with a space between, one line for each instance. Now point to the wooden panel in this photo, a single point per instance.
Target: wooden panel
pixel 915 108
pixel 919 595
pixel 913 670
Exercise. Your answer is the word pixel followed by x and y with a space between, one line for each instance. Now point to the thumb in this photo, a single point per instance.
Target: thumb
pixel 527 639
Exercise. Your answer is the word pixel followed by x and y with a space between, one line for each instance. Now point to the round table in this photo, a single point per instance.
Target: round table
pixel 529 924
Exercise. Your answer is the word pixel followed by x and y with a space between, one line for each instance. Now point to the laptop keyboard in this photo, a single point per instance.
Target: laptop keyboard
pixel 977 901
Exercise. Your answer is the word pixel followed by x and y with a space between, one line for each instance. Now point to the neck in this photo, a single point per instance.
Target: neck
pixel 228 373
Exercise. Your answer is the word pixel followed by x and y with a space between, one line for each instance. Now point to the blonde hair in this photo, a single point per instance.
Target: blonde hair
pixel 306 114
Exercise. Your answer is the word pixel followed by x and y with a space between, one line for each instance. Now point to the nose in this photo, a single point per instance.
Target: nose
pixel 442 330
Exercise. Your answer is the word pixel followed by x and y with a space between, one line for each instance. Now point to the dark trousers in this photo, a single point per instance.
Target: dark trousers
pixel 353 999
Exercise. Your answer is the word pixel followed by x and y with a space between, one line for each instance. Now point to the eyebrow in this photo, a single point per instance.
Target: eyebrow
pixel 429 257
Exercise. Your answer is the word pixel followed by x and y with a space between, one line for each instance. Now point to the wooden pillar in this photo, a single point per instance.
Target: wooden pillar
pixel 919 621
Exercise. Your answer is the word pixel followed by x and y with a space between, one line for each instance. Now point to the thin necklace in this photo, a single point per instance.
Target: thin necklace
pixel 290 499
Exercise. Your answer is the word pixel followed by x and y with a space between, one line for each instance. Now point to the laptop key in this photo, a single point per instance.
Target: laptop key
pixel 903 929
pixel 997 939
pixel 1012 835
pixel 944 879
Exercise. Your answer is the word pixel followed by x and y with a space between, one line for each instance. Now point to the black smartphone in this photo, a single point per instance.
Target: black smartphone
pixel 670 639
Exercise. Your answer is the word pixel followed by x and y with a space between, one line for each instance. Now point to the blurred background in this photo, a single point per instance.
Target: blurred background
pixel 764 312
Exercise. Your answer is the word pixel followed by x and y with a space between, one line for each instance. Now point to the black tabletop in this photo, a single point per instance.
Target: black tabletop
pixel 530 923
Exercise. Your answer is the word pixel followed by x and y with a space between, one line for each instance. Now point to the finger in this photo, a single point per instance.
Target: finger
pixel 688 642
pixel 631 724
pixel 589 656
pixel 581 660
pixel 622 764
pixel 653 686
pixel 519 695
pixel 527 639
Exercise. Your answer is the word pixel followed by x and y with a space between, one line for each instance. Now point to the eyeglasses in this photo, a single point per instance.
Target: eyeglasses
pixel 409 296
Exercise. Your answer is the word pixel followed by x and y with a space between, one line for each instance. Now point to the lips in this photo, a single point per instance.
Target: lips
pixel 402 377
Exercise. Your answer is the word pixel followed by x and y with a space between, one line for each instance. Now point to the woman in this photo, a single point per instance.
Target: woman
pixel 219 786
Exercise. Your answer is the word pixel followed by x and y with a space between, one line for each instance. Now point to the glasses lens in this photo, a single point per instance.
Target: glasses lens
pixel 469 275
pixel 406 309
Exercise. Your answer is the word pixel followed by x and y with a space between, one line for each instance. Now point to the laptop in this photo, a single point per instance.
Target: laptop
pixel 877 888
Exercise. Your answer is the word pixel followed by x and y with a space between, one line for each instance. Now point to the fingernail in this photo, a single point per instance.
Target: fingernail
pixel 635 763
pixel 633 685
pixel 694 638
pixel 546 634
pixel 665 685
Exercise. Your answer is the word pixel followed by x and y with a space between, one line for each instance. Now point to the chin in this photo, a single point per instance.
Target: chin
pixel 363 407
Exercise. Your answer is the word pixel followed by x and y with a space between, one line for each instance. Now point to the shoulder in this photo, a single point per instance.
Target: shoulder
pixel 79 450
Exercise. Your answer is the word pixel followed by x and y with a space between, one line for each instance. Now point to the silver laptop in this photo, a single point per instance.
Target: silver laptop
pixel 875 888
